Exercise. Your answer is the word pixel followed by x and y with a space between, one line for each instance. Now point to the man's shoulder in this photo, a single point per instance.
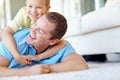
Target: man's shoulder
pixel 67 44
pixel 22 31
pixel 21 34
pixel 68 49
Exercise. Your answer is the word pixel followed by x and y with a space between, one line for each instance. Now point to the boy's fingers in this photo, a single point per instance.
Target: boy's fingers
pixel 28 58
pixel 28 63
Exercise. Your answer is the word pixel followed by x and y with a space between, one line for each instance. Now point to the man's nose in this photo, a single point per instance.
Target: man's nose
pixel 34 29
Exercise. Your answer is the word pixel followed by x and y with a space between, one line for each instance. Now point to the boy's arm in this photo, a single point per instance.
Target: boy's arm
pixel 5 71
pixel 50 52
pixel 7 37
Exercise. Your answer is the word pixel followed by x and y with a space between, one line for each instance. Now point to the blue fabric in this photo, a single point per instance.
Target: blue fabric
pixel 26 49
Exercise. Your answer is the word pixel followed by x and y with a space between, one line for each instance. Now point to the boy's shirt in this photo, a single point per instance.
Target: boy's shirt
pixel 21 20
pixel 26 49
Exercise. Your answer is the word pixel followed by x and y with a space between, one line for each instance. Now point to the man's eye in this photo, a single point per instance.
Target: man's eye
pixel 41 31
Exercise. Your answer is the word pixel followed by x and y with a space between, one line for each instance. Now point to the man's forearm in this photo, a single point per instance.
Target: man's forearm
pixel 4 71
pixel 33 70
pixel 69 65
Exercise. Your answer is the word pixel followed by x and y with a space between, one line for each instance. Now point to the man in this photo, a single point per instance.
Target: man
pixel 45 33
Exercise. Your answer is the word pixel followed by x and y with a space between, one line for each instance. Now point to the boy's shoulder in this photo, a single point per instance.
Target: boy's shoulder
pixel 23 9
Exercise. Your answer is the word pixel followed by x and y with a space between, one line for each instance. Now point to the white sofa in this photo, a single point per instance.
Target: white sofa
pixel 96 32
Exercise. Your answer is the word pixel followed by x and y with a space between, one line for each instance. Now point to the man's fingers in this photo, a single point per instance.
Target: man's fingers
pixel 45 66
pixel 45 71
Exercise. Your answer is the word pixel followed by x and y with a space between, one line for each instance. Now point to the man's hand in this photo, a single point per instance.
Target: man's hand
pixel 23 60
pixel 39 69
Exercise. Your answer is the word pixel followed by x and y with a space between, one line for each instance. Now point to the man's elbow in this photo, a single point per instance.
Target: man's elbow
pixel 81 66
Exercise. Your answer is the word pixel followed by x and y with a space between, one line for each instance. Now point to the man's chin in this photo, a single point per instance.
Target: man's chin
pixel 28 41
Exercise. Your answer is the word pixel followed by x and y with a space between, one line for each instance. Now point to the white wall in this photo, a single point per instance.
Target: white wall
pixel 9 9
pixel 69 8
pixel 15 6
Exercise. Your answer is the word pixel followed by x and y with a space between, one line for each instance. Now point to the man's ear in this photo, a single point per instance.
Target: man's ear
pixel 54 41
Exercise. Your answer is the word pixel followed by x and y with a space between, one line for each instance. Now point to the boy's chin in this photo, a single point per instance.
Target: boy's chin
pixel 32 18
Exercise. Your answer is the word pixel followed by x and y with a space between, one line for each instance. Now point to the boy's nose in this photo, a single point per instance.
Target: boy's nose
pixel 33 10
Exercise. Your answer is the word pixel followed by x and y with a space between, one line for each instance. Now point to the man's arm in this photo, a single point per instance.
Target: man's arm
pixel 5 71
pixel 73 62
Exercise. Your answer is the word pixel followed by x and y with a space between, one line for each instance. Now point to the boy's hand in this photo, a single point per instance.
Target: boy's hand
pixel 23 60
pixel 34 57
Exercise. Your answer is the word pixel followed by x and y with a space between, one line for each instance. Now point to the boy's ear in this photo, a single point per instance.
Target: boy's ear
pixel 48 8
pixel 54 41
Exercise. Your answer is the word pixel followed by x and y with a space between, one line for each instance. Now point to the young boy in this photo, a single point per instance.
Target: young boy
pixel 25 18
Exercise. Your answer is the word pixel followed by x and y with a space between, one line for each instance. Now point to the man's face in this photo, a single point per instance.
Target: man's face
pixel 36 8
pixel 40 33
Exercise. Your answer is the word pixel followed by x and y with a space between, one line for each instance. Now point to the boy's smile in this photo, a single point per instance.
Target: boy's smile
pixel 36 8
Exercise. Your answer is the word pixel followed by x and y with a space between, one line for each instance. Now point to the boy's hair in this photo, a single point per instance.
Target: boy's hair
pixel 60 22
pixel 47 2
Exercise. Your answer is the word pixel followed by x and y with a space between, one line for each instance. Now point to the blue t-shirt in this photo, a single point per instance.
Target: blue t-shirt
pixel 26 49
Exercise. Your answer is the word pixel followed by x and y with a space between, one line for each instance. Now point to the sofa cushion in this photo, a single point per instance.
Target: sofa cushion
pixel 112 3
pixel 103 18
pixel 73 26
pixel 105 41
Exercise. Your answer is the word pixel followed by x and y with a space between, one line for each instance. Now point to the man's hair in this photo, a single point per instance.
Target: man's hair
pixel 60 22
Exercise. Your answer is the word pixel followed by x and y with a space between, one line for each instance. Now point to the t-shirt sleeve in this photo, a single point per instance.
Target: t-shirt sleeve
pixel 19 20
pixel 68 49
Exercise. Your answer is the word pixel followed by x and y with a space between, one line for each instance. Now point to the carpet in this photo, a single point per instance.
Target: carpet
pixel 101 71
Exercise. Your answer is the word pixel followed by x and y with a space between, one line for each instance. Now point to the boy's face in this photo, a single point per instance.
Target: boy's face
pixel 36 8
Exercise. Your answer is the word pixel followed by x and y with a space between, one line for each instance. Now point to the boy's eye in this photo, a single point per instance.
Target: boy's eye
pixel 30 6
pixel 39 7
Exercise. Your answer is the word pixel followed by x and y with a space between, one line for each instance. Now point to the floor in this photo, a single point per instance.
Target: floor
pixel 93 64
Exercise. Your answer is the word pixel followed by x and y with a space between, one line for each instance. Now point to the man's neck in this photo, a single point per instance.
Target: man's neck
pixel 40 50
